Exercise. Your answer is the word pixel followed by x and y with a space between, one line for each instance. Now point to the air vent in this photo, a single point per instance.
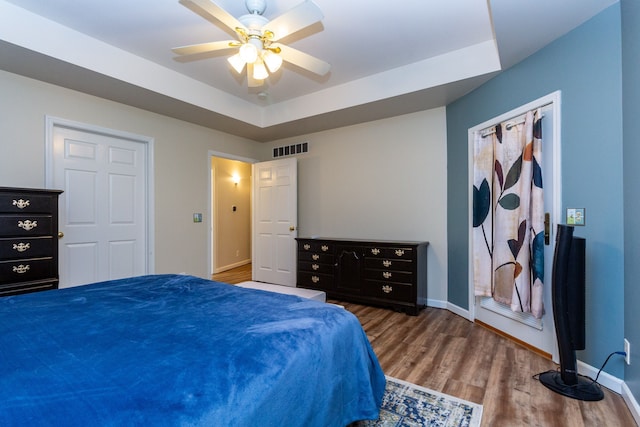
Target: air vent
pixel 290 150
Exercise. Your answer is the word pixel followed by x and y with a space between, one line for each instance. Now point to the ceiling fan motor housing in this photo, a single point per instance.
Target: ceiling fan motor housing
pixel 256 6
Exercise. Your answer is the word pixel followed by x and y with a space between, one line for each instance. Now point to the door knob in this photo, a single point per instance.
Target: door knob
pixel 60 234
pixel 292 228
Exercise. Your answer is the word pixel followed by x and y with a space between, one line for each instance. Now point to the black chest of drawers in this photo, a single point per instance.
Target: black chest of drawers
pixel 28 240
pixel 385 273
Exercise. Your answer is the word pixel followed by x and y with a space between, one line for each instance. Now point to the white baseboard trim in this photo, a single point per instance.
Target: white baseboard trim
pixel 231 266
pixel 607 380
pixel 451 307
pixel 631 402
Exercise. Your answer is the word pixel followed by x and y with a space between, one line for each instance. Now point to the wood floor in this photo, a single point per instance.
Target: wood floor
pixel 444 352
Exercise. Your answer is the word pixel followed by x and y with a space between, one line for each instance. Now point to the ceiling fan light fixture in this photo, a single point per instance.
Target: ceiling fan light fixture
pixel 248 52
pixel 237 62
pixel 259 70
pixel 272 60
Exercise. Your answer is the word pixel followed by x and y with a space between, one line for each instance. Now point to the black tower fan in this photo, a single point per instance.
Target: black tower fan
pixel 568 295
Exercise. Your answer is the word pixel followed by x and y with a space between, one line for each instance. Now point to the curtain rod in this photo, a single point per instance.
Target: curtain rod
pixel 515 120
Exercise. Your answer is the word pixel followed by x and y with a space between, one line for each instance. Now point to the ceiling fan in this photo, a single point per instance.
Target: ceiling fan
pixel 257 44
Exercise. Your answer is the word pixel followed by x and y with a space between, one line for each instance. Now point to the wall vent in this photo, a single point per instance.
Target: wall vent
pixel 290 150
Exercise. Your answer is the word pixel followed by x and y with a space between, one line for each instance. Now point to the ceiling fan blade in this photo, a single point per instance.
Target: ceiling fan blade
pixel 251 82
pixel 301 16
pixel 195 49
pixel 212 13
pixel 303 60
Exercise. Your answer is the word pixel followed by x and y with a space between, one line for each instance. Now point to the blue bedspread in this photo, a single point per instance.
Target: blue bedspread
pixel 175 350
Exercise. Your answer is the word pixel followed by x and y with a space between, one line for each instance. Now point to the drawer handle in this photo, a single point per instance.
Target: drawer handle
pixel 307 246
pixel 315 257
pixel 315 279
pixel 375 251
pixel 21 204
pixel 324 248
pixel 386 263
pixel 315 266
pixel 399 252
pixel 386 274
pixel 21 269
pixel 387 289
pixel 21 247
pixel 27 224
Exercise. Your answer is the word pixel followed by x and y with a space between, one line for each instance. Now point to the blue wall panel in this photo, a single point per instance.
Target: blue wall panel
pixel 586 66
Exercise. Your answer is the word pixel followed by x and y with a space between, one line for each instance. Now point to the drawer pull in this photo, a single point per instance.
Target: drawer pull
pixel 21 247
pixel 387 289
pixel 306 246
pixel 375 251
pixel 386 263
pixel 27 224
pixel 315 257
pixel 386 274
pixel 399 252
pixel 21 204
pixel 315 266
pixel 315 279
pixel 324 248
pixel 20 269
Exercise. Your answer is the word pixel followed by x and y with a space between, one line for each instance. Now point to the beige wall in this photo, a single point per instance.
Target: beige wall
pixel 378 180
pixel 232 229
pixel 181 160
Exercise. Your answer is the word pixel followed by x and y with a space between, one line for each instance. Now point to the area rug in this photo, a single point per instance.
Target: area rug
pixel 409 405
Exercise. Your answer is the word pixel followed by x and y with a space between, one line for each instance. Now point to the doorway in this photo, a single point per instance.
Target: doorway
pixel 231 211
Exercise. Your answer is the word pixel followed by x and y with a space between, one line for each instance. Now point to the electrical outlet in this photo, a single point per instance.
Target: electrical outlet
pixel 627 350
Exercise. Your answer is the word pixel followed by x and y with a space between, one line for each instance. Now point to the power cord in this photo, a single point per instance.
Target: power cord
pixel 621 353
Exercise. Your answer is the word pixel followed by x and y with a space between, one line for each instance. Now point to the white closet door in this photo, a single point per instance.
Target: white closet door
pixel 103 207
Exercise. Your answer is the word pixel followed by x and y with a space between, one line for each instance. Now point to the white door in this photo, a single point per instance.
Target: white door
pixel 539 334
pixel 103 208
pixel 275 215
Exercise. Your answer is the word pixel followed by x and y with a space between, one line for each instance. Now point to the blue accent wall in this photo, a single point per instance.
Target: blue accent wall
pixel 586 66
pixel 631 151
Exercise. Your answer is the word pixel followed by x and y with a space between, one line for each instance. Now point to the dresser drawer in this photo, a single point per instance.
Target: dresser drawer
pixel 390 276
pixel 315 280
pixel 323 258
pixel 26 203
pixel 27 269
pixel 319 246
pixel 389 264
pixel 389 252
pixel 316 267
pixel 24 287
pixel 28 247
pixel 26 225
pixel 389 290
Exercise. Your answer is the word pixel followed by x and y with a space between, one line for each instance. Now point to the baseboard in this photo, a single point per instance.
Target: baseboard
pixel 631 402
pixel 232 266
pixel 607 380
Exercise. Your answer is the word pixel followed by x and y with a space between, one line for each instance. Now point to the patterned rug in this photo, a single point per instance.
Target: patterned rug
pixel 408 405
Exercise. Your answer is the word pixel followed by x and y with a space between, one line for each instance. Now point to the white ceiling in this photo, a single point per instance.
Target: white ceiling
pixel 386 59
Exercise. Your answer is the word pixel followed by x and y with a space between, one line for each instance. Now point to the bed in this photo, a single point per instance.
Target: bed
pixel 176 350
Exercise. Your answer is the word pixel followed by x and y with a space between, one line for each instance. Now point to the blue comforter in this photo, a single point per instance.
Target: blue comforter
pixel 175 350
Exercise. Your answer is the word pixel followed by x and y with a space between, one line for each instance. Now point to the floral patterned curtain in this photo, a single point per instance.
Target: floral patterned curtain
pixel 508 214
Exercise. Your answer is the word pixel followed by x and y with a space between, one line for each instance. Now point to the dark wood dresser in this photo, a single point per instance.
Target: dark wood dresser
pixel 385 273
pixel 28 240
